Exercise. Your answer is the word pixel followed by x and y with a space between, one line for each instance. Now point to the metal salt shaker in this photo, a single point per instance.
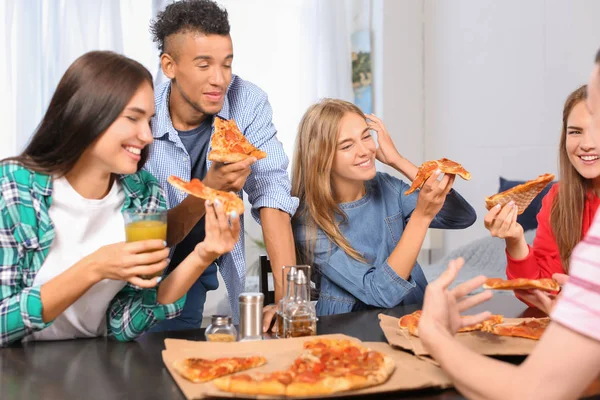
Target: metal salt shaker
pixel 251 316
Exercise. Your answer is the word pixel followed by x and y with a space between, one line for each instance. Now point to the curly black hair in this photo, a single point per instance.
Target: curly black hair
pixel 202 16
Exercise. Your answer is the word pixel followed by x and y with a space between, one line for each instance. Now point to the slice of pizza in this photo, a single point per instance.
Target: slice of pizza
pixel 325 366
pixel 530 329
pixel 273 383
pixel 522 194
pixel 229 145
pixel 336 365
pixel 484 326
pixel 200 370
pixel 429 167
pixel 410 322
pixel 231 201
pixel 546 284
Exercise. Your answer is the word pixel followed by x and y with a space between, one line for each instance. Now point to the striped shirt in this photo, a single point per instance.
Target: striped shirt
pixel 579 305
pixel 268 184
pixel 26 233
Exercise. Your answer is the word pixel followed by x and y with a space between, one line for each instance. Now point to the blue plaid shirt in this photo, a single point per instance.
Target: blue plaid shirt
pixel 267 186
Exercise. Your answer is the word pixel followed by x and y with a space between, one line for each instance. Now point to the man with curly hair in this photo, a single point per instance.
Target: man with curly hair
pixel 197 55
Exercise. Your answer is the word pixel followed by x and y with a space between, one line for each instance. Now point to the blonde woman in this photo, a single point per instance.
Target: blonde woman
pixel 355 225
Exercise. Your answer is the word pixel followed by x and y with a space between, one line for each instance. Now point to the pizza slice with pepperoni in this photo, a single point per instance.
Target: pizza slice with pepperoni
pixel 410 322
pixel 229 145
pixel 429 167
pixel 230 201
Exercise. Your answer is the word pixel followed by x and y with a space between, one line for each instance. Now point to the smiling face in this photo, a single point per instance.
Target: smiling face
pixel 200 68
pixel 118 149
pixel 354 160
pixel 582 142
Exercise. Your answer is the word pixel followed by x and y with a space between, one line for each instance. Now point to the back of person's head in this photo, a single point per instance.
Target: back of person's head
pixel 567 209
pixel 203 17
pixel 89 97
pixel 315 148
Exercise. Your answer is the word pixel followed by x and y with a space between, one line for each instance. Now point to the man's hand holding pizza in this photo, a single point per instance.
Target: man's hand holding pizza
pixel 228 177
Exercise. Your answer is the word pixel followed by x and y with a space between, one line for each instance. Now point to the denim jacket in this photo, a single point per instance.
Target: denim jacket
pixel 373 227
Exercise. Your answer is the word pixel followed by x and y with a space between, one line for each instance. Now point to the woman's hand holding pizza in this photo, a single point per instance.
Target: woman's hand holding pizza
pixel 221 236
pixel 543 300
pixel 433 195
pixel 502 222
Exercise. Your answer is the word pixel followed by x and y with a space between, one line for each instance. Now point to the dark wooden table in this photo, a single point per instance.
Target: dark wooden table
pixel 106 369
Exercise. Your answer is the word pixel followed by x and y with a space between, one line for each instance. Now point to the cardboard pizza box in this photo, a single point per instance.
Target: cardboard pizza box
pixel 411 373
pixel 481 342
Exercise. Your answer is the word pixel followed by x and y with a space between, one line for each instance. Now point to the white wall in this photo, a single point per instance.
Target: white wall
pixel 494 77
pixel 398 77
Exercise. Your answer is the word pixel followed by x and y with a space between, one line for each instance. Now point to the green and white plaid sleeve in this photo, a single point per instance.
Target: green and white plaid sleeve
pixel 20 307
pixel 133 311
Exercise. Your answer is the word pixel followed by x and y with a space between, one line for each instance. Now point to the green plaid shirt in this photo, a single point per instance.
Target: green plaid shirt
pixel 26 233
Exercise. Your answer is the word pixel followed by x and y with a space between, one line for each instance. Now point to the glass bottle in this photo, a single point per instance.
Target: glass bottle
pixel 300 316
pixel 221 329
pixel 286 298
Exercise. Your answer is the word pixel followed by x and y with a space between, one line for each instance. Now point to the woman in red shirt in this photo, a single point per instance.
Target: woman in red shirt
pixel 567 212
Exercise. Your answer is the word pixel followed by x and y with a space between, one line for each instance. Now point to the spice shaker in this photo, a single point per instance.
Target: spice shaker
pixel 221 329
pixel 251 316
pixel 288 293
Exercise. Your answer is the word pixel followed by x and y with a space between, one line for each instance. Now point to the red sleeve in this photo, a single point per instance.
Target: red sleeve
pixel 543 259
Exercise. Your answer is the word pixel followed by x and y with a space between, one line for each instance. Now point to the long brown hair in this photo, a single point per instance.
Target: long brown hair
pixel 566 215
pixel 88 99
pixel 316 144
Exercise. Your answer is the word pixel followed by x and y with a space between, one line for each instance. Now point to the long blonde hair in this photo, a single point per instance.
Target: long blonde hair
pixel 566 214
pixel 316 144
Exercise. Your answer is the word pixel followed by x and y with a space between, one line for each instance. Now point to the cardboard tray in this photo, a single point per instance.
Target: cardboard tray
pixel 411 373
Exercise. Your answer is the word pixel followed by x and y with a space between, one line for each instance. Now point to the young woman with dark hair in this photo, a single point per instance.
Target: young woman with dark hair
pixel 65 268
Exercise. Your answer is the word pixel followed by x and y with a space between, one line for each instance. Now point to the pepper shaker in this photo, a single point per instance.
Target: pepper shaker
pixel 251 316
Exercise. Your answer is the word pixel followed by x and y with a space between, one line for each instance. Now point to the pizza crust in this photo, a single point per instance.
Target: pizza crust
pixel 530 329
pixel 251 386
pixel 327 385
pixel 546 284
pixel 522 194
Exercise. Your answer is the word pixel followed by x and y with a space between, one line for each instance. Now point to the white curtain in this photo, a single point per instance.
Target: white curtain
pixel 298 51
pixel 42 38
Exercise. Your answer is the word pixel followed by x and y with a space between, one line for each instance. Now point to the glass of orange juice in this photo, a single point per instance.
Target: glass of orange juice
pixel 145 225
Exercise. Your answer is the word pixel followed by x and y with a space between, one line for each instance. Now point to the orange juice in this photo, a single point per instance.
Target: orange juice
pixel 146 230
